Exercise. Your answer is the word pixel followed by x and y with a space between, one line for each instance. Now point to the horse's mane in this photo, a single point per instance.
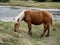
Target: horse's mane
pixel 19 16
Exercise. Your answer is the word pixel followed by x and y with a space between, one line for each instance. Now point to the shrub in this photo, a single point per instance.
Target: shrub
pixel 40 0
pixel 4 0
pixel 56 0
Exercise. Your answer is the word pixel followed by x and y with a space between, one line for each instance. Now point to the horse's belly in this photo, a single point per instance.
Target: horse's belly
pixel 37 23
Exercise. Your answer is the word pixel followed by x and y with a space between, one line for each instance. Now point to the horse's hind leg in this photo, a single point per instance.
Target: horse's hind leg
pixel 29 26
pixel 48 31
pixel 45 29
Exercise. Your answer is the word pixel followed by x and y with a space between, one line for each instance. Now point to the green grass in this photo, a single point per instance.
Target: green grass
pixel 55 5
pixel 9 37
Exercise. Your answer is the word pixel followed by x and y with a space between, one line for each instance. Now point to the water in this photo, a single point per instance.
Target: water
pixel 9 13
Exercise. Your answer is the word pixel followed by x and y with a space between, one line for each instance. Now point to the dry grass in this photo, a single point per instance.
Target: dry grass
pixel 9 37
pixel 33 4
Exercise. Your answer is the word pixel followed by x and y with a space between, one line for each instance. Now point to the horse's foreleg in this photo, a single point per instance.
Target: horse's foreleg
pixel 29 26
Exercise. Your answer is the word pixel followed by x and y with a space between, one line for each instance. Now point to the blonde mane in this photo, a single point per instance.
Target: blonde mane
pixel 20 17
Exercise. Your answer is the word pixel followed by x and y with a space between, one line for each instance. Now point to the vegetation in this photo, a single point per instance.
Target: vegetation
pixel 4 0
pixel 55 5
pixel 56 0
pixel 30 0
pixel 9 37
pixel 41 0
pixel 30 3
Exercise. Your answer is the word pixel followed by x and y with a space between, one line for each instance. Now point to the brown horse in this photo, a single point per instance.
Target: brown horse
pixel 36 18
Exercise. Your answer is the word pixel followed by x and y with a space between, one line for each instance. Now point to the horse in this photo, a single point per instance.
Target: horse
pixel 36 18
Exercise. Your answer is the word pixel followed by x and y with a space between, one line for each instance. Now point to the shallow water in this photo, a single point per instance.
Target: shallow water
pixel 9 13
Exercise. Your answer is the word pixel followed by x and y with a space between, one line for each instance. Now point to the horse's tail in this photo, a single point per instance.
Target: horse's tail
pixel 52 23
pixel 51 20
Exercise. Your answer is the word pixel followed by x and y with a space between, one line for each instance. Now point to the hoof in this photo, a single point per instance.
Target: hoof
pixel 47 35
pixel 30 34
pixel 15 31
pixel 41 36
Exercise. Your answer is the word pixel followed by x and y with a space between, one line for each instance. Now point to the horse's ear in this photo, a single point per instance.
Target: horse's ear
pixel 18 20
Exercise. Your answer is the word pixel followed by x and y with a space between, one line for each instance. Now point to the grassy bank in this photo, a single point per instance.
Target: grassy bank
pixel 33 4
pixel 9 37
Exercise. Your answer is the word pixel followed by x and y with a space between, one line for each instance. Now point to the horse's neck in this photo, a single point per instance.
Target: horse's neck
pixel 20 16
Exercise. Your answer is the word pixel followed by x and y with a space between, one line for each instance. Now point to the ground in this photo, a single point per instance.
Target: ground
pixel 9 37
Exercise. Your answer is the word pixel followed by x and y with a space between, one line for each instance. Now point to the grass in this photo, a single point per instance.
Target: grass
pixel 9 37
pixel 55 5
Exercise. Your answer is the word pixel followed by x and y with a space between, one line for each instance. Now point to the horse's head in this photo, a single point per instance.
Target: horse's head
pixel 16 25
pixel 17 20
